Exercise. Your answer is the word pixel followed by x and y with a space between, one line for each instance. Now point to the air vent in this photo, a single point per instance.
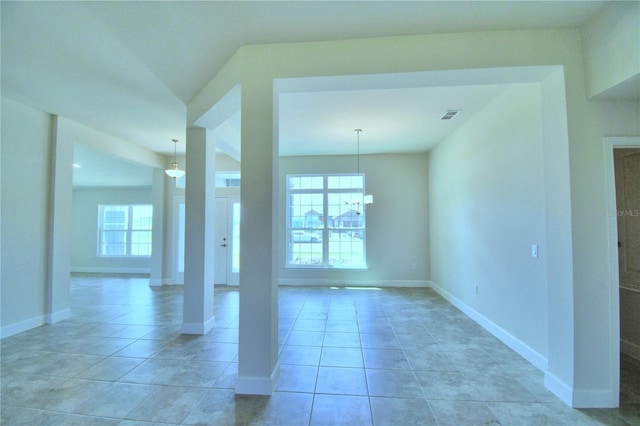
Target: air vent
pixel 450 114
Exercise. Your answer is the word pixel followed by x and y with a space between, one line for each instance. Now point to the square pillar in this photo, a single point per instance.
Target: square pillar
pixel 157 242
pixel 258 366
pixel 60 223
pixel 198 315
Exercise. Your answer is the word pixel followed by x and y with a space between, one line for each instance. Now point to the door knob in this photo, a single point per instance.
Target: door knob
pixel 223 245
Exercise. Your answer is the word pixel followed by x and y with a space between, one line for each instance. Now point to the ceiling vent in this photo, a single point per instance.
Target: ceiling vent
pixel 450 114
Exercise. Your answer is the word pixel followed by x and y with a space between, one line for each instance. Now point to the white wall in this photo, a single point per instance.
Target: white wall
pixel 487 210
pixel 26 134
pixel 84 248
pixel 397 223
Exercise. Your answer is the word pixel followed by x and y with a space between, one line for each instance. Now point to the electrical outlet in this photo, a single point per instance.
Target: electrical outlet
pixel 414 265
pixel 475 288
pixel 534 250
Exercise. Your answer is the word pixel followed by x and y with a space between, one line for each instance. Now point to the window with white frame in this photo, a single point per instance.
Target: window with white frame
pixel 325 221
pixel 125 230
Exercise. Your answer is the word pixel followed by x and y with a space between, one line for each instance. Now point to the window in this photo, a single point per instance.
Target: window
pixel 125 230
pixel 227 179
pixel 325 221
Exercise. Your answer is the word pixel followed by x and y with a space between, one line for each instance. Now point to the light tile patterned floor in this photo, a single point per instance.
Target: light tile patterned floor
pixel 356 357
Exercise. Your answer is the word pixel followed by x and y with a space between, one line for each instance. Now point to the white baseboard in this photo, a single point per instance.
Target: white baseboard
pixel 559 388
pixel 163 281
pixel 524 350
pixel 595 398
pixel 364 283
pixel 109 270
pixel 255 385
pixel 59 316
pixel 20 326
pixel 198 327
pixel 156 282
pixel 630 348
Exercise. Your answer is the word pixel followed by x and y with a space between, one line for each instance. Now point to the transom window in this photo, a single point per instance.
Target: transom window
pixel 325 221
pixel 125 230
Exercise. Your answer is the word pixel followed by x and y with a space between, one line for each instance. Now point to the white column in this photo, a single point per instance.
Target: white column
pixel 198 315
pixel 60 225
pixel 157 243
pixel 258 366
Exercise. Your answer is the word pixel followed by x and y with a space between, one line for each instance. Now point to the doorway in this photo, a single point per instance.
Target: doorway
pixel 623 212
pixel 627 182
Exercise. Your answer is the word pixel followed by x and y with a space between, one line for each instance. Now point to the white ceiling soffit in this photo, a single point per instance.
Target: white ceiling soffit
pixel 92 169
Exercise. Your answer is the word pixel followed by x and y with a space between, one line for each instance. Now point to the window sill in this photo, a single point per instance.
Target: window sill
pixel 327 268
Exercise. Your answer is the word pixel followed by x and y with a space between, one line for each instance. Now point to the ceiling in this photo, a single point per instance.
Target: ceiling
pixel 130 68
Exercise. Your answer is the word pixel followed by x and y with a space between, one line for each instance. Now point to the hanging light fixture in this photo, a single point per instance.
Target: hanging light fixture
pixel 367 200
pixel 174 171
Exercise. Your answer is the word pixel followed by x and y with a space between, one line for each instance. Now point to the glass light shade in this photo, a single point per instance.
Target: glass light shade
pixel 174 171
pixel 368 200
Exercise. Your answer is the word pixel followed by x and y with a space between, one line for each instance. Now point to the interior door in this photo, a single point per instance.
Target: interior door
pixel 627 164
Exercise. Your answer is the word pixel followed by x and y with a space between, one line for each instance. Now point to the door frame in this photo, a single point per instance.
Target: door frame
pixel 233 278
pixel 611 143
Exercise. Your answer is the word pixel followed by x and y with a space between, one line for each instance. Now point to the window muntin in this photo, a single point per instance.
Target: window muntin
pixel 125 230
pixel 325 221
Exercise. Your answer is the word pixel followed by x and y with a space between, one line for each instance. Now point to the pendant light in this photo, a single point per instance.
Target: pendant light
pixel 367 200
pixel 174 171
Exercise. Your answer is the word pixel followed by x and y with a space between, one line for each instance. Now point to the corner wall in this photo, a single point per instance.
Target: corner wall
pixel 26 136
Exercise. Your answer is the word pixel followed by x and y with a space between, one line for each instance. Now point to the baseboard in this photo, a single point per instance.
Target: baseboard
pixel 559 388
pixel 198 327
pixel 157 282
pixel 363 283
pixel 630 348
pixel 20 326
pixel 109 270
pixel 524 350
pixel 254 385
pixel 59 316
pixel 595 398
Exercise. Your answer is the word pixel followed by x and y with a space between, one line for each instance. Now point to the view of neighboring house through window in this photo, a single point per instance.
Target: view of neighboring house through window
pixel 125 230
pixel 325 221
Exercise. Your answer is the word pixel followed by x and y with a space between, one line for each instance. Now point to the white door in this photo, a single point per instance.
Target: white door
pixel 227 240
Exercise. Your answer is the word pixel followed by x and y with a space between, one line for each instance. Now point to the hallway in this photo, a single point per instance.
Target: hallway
pixel 348 356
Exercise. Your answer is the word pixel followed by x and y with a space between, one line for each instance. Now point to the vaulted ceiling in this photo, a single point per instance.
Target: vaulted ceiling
pixel 129 69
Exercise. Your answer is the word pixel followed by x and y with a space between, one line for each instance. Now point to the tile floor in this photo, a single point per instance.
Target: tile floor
pixel 356 357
